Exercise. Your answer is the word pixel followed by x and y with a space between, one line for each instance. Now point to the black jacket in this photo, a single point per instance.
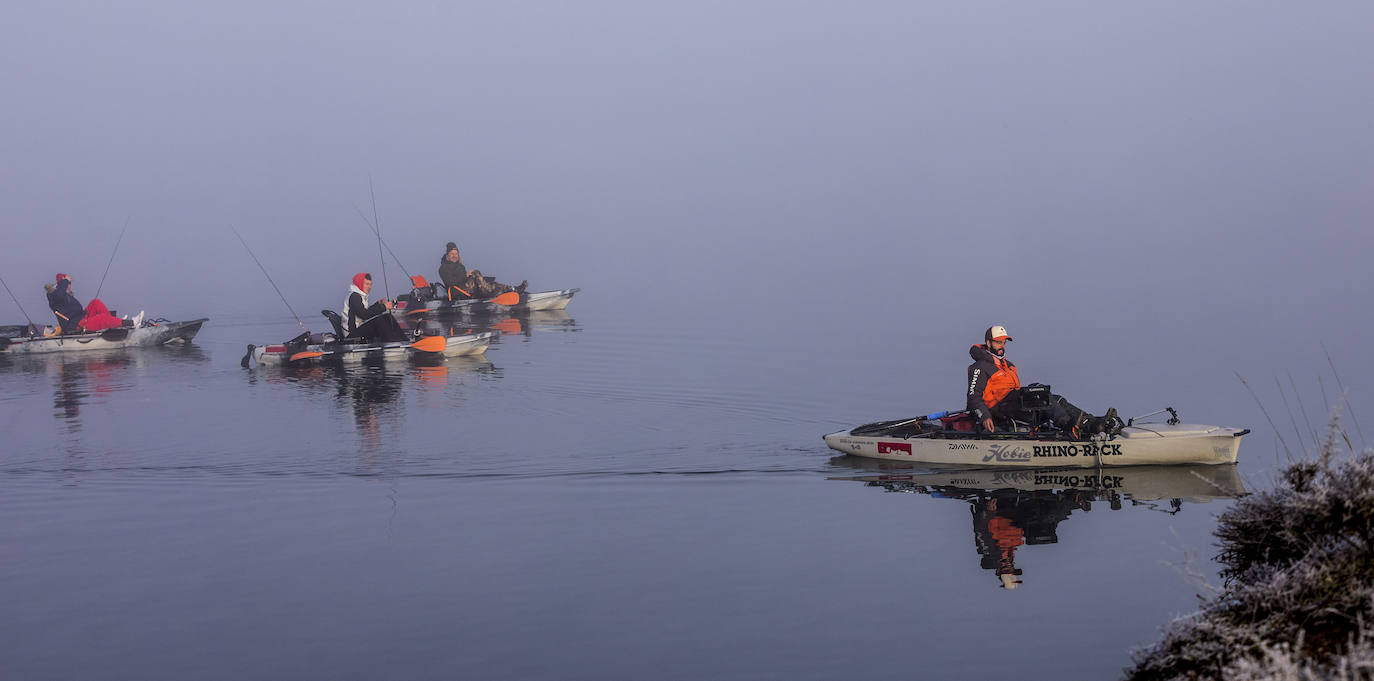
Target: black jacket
pixel 452 273
pixel 983 367
pixel 62 302
pixel 356 310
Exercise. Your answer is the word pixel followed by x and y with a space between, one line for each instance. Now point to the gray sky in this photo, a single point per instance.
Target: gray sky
pixel 1198 170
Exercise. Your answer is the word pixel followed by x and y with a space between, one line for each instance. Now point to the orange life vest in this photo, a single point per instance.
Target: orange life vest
pixel 1001 382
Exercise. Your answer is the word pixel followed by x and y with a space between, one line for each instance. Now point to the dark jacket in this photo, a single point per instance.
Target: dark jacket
pixel 452 273
pixel 358 311
pixel 64 304
pixel 986 369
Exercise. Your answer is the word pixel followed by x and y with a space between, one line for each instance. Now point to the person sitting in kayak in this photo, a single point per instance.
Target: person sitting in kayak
pixel 994 392
pixel 71 316
pixel 461 283
pixel 374 322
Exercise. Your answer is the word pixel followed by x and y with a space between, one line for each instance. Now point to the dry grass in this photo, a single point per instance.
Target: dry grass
pixel 1298 565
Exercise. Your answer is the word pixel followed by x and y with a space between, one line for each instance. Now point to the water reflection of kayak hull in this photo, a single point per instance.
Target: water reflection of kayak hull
pixel 1197 482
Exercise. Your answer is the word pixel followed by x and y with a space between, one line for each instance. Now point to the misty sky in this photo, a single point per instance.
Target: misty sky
pixel 1154 171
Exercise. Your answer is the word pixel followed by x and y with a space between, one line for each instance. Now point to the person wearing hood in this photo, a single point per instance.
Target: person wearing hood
pixel 994 392
pixel 374 322
pixel 71 316
pixel 461 283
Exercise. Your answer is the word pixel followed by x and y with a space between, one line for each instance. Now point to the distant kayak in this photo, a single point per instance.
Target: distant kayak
pixel 323 347
pixel 935 439
pixel 304 349
pixel 21 339
pixel 422 300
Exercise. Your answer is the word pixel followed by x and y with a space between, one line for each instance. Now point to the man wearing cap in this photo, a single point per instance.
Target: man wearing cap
pixel 460 283
pixel 72 317
pixel 68 309
pixel 994 391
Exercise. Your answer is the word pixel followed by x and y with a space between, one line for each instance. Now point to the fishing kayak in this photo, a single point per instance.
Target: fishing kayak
pixel 21 339
pixel 422 300
pixel 308 348
pixel 323 347
pixel 935 439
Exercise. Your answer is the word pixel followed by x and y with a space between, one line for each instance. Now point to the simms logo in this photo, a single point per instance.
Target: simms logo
pixel 974 380
pixel 894 448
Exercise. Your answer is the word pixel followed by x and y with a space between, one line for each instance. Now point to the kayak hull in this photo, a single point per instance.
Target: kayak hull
pixel 542 300
pixel 1145 444
pixel 148 334
pixel 454 346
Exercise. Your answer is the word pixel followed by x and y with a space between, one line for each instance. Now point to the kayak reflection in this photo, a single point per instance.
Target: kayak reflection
pixel 375 391
pixel 97 374
pixel 515 324
pixel 1012 508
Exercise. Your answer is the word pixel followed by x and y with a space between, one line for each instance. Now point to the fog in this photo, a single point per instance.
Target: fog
pixel 1120 184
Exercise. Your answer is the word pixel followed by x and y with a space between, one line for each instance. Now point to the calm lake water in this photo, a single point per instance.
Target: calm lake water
pixel 605 495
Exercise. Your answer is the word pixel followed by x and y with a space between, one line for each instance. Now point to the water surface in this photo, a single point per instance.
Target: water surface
pixel 603 495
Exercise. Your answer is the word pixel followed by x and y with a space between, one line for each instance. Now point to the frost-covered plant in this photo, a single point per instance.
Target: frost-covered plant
pixel 1298 565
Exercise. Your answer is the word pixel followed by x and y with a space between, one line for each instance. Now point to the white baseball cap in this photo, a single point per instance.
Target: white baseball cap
pixel 997 333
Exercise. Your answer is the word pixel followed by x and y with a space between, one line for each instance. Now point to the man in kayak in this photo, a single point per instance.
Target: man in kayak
pixel 994 392
pixel 461 283
pixel 374 322
pixel 71 316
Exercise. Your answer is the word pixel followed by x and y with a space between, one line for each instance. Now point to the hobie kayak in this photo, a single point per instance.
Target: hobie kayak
pixel 424 300
pixel 937 439
pixel 313 347
pixel 144 332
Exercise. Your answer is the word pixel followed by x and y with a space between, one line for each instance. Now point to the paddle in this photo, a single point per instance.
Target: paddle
pixel 507 298
pixel 305 355
pixel 430 344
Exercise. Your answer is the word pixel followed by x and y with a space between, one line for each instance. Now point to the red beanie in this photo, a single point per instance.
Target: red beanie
pixel 359 278
pixel 61 276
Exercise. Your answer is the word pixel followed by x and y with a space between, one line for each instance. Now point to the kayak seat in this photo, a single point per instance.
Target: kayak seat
pixel 336 320
pixel 962 422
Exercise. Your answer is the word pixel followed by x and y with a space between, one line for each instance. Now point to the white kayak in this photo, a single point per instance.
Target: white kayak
pixel 1135 444
pixel 22 340
pixel 319 348
pixel 506 302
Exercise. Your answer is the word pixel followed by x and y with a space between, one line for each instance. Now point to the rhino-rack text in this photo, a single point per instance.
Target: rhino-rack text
pixel 1084 449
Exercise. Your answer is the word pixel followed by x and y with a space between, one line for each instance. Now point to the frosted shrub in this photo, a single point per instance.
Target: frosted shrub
pixel 1299 575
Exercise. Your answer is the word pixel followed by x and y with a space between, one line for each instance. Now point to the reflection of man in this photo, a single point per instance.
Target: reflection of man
pixel 1000 536
pixel 1009 519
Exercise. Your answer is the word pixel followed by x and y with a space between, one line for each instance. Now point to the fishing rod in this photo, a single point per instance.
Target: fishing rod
pixel 21 307
pixel 363 215
pixel 112 255
pixel 269 279
pixel 378 229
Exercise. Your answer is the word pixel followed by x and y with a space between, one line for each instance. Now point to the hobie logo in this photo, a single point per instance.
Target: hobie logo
pixel 1006 453
pixel 894 448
